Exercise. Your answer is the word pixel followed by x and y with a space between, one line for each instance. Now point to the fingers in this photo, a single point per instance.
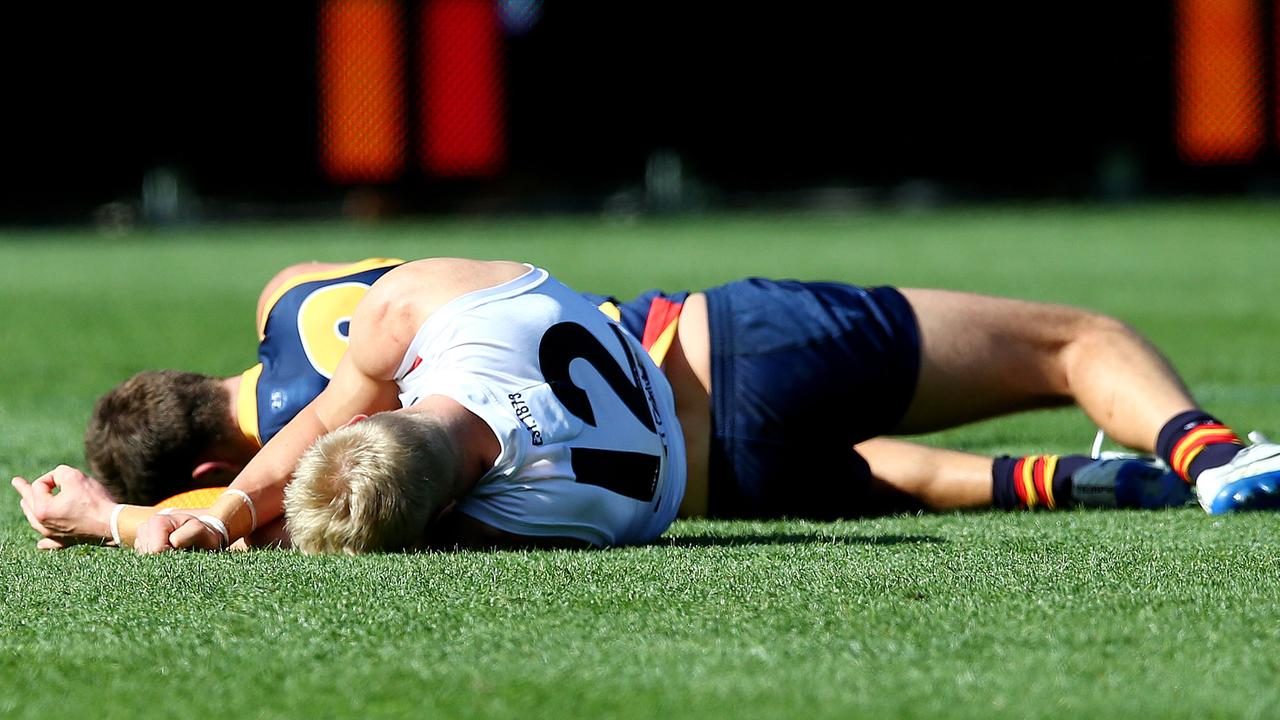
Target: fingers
pixel 194 534
pixel 178 531
pixel 49 544
pixel 22 487
pixel 25 502
pixel 42 488
pixel 65 474
pixel 153 535
pixel 35 494
pixel 31 518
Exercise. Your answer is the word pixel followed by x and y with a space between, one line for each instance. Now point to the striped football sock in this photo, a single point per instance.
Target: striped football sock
pixel 1034 481
pixel 1195 441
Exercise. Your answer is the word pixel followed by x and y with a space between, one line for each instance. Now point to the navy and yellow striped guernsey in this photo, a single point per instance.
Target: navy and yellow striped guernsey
pixel 302 336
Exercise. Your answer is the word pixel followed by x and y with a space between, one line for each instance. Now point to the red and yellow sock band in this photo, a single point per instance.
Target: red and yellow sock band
pixel 1194 442
pixel 1033 481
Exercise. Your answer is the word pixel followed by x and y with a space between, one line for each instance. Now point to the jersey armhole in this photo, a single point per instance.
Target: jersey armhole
pixel 247 403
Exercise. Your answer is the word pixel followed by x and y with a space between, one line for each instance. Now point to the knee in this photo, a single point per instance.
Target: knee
pixel 1094 328
pixel 1091 335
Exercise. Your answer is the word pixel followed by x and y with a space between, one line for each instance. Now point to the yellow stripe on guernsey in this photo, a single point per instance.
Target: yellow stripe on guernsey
pixel 1029 481
pixel 610 310
pixel 330 274
pixel 247 403
pixel 659 349
pixel 1050 467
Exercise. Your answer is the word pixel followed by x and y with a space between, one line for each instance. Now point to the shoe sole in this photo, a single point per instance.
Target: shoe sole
pixel 1257 492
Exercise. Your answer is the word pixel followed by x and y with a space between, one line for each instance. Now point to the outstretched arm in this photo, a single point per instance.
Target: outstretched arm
pixel 67 507
pixel 83 512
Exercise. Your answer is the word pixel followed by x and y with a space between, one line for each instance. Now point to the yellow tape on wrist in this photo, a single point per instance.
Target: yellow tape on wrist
pixel 125 521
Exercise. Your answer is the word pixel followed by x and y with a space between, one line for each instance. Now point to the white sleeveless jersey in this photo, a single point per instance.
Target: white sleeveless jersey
pixel 591 448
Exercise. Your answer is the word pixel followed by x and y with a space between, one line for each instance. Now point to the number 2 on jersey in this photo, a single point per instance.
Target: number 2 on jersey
pixel 632 474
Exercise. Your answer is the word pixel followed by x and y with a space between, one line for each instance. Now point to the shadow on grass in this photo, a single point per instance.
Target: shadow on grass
pixel 736 539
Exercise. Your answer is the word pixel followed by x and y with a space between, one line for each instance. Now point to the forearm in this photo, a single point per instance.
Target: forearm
pixel 127 520
pixel 256 497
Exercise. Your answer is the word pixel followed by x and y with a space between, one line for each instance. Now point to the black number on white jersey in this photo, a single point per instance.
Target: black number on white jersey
pixel 632 474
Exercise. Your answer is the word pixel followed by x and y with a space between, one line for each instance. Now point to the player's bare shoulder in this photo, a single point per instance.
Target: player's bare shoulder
pixel 420 287
pixel 401 301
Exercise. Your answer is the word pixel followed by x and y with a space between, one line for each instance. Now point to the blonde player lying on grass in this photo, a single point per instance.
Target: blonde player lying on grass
pixel 449 345
pixel 775 381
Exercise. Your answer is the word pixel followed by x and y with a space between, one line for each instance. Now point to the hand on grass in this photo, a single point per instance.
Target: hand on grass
pixel 80 512
pixel 177 531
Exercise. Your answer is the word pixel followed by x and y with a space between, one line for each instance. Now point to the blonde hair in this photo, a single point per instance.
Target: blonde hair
pixel 370 486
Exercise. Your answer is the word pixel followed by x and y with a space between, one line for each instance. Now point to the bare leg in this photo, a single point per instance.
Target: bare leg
pixel 985 356
pixel 907 475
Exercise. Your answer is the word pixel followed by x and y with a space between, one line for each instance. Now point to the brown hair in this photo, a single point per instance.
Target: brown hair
pixel 372 486
pixel 148 433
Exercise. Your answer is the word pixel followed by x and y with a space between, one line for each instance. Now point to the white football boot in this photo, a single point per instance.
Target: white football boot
pixel 1251 481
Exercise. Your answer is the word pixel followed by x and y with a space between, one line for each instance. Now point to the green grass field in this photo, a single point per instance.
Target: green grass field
pixel 1075 614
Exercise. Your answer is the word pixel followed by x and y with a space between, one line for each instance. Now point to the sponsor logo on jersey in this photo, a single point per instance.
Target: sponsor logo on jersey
pixel 525 416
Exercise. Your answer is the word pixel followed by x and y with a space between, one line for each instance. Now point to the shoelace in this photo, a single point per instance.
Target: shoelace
pixel 1261 448
pixel 1096 452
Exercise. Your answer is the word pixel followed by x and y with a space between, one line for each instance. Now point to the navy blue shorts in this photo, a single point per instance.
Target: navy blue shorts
pixel 800 372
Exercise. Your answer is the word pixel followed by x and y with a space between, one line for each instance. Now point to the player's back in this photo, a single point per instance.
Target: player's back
pixel 591 448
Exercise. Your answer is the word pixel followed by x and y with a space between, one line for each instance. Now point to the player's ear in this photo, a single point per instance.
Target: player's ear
pixel 215 473
pixel 355 420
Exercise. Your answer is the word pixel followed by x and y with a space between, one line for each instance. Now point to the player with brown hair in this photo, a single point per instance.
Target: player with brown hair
pixel 165 432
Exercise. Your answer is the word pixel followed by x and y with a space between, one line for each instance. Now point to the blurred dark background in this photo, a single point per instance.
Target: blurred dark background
pixel 167 111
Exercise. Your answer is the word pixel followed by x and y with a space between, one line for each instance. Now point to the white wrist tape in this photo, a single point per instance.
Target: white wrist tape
pixel 217 526
pixel 115 523
pixel 253 511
